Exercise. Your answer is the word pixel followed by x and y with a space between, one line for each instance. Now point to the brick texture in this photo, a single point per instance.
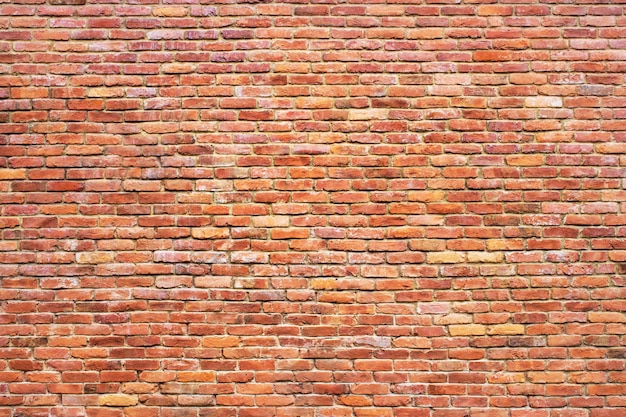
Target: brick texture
pixel 297 209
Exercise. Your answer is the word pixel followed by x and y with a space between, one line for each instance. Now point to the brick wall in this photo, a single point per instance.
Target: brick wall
pixel 252 209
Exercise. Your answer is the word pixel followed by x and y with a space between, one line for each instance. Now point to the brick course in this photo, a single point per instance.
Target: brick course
pixel 257 208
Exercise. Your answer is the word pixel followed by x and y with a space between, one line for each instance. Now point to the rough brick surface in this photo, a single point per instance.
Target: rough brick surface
pixel 256 208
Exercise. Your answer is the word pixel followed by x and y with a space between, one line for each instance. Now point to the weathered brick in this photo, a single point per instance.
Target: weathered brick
pixel 506 329
pixel 274 209
pixel 467 330
pixel 117 400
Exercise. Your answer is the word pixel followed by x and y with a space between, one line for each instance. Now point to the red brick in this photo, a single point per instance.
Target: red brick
pixel 324 194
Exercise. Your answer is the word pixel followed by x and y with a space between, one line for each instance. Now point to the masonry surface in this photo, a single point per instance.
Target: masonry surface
pixel 312 209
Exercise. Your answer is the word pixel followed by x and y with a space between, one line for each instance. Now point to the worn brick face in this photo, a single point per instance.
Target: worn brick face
pixel 257 208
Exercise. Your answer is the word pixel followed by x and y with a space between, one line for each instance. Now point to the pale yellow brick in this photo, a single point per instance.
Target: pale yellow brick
pixel 271 221
pixel 445 257
pixel 368 114
pixel 413 342
pixel 425 33
pixel 169 11
pixel 485 257
pixel 467 330
pixel 544 101
pixel 454 318
pixel 606 317
pixel 506 329
pixel 95 258
pixel 117 400
pixel 505 244
pixel 178 68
